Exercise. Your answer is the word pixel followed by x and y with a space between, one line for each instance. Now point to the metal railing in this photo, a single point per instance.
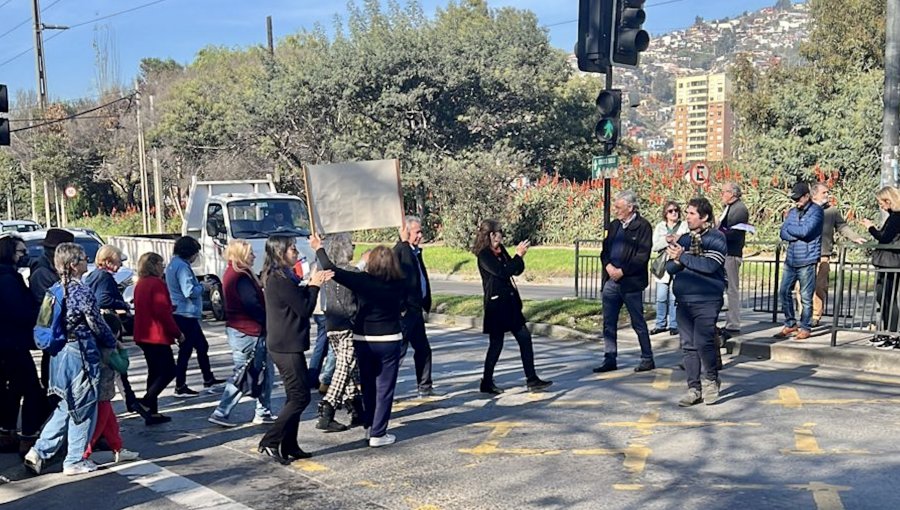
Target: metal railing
pixel 855 293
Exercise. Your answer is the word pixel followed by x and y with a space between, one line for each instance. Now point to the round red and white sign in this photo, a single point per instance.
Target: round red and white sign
pixel 699 173
pixel 71 192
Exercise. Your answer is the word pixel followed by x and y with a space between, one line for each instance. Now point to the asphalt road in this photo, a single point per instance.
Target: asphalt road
pixel 782 436
pixel 527 291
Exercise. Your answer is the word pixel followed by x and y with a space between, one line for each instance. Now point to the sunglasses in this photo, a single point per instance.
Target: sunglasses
pixel 673 210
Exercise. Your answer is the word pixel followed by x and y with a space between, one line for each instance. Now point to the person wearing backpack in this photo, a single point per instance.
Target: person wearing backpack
pixel 245 326
pixel 19 383
pixel 74 365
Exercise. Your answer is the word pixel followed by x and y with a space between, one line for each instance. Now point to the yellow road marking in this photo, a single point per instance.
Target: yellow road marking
pixel 367 483
pixel 608 376
pixel 627 486
pixel 663 379
pixel 789 398
pixel 428 507
pixel 650 421
pixel 635 453
pixel 308 466
pixel 826 497
pixel 805 444
pixel 500 430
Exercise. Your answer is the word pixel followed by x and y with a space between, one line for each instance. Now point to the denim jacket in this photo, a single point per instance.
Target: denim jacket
pixel 184 288
pixel 88 332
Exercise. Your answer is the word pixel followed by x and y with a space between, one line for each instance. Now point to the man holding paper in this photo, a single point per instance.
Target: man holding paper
pixel 734 224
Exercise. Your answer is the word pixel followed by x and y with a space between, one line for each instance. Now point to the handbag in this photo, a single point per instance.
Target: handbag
pixel 118 360
pixel 658 266
pixel 250 377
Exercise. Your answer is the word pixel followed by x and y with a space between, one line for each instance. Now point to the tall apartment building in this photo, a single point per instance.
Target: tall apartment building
pixel 704 121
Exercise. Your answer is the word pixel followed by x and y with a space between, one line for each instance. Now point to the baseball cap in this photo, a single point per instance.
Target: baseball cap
pixel 799 189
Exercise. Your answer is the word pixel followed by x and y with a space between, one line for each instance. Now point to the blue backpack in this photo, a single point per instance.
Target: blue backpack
pixel 50 330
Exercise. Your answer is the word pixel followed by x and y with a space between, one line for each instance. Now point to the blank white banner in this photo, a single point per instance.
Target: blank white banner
pixel 355 196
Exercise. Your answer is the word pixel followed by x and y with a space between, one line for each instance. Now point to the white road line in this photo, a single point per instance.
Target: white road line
pixel 176 488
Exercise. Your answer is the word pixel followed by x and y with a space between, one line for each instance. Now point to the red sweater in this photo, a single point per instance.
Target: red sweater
pixel 245 308
pixel 153 321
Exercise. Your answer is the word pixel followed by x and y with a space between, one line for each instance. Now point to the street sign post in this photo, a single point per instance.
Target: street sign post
pixel 605 167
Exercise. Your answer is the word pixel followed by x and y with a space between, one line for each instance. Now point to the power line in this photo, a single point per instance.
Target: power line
pixel 25 21
pixel 4 3
pixel 75 115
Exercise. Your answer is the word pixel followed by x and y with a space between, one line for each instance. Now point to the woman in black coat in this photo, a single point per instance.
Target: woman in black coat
pixel 502 304
pixel 19 381
pixel 885 260
pixel 289 307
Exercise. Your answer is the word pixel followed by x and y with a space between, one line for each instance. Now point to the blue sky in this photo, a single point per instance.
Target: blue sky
pixel 179 28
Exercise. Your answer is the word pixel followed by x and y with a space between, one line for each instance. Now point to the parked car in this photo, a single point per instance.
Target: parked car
pixel 19 226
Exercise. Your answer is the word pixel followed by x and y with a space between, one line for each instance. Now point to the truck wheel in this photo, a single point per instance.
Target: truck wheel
pixel 217 302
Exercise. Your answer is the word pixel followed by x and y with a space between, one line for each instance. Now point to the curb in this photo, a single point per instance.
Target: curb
pixel 865 359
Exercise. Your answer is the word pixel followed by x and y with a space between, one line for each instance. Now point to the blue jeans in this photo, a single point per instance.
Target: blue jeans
pixel 807 277
pixel 698 343
pixel 665 306
pixel 242 346
pixel 613 299
pixel 60 427
pixel 328 368
pixel 320 350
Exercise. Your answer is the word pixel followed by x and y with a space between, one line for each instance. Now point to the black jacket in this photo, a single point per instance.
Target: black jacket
pixel 342 306
pixel 289 307
pixel 638 242
pixel 379 302
pixel 737 213
pixel 106 290
pixel 410 264
pixel 889 233
pixel 43 276
pixel 502 304
pixel 18 312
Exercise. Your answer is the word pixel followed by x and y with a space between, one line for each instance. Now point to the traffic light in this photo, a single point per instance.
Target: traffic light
pixel 609 104
pixel 595 35
pixel 4 122
pixel 629 39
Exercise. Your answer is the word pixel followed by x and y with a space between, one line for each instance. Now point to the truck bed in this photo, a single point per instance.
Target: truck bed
pixel 137 245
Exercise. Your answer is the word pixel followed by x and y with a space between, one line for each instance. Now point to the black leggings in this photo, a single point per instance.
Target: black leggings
pixel 523 337
pixel 160 372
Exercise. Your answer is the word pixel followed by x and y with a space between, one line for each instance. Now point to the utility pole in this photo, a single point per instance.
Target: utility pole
pixel 891 127
pixel 270 36
pixel 607 182
pixel 157 185
pixel 142 157
pixel 41 89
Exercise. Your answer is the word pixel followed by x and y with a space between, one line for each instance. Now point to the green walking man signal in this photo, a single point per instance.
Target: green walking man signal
pixel 609 105
pixel 4 122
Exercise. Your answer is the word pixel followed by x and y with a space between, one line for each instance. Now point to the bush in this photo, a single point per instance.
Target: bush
pixel 123 223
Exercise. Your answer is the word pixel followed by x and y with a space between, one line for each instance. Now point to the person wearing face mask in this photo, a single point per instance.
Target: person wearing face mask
pixel 187 298
pixel 802 229
pixel 697 265
pixel 625 255
pixel 887 259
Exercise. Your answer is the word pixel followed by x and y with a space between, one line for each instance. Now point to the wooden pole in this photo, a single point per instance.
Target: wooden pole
pixel 309 201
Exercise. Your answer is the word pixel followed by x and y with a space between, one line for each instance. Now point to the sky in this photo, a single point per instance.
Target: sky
pixel 179 28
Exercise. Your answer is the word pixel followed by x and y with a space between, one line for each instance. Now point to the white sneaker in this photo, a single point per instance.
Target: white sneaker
pixel 34 462
pixel 125 455
pixel 384 440
pixel 220 420
pixel 80 468
pixel 264 419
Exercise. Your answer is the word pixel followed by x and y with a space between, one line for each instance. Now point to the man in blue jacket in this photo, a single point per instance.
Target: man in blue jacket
pixel 697 265
pixel 803 232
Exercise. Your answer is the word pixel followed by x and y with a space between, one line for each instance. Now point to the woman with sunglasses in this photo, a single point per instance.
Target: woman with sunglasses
pixel 502 304
pixel 666 233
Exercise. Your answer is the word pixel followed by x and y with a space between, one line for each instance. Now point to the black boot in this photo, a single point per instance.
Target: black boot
pixel 326 419
pixel 356 412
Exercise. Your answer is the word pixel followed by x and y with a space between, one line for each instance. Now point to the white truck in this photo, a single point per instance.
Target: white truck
pixel 220 211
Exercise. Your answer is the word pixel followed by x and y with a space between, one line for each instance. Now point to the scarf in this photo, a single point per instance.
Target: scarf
pixel 697 239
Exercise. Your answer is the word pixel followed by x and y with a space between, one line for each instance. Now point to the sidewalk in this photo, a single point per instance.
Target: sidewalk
pixel 756 340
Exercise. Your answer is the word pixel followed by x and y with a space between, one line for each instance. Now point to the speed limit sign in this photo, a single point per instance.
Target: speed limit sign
pixel 71 192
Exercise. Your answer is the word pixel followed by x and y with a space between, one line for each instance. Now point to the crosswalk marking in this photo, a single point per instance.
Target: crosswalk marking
pixel 176 488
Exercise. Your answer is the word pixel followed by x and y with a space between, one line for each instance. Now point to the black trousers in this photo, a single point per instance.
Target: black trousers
pixel 193 339
pixel 413 326
pixel 160 372
pixel 283 433
pixel 20 388
pixel 888 301
pixel 523 337
pixel 697 329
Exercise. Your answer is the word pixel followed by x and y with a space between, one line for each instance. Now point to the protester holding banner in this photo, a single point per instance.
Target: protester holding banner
pixel 502 304
pixel 377 335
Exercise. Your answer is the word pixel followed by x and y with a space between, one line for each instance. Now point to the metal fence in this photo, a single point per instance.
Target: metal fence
pixel 856 289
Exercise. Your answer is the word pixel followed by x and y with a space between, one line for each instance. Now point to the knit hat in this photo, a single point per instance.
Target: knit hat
pixel 57 236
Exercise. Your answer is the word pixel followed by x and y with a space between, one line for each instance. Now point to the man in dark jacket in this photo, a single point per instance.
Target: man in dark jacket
pixel 833 222
pixel 735 214
pixel 802 229
pixel 697 263
pixel 418 302
pixel 43 276
pixel 625 254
